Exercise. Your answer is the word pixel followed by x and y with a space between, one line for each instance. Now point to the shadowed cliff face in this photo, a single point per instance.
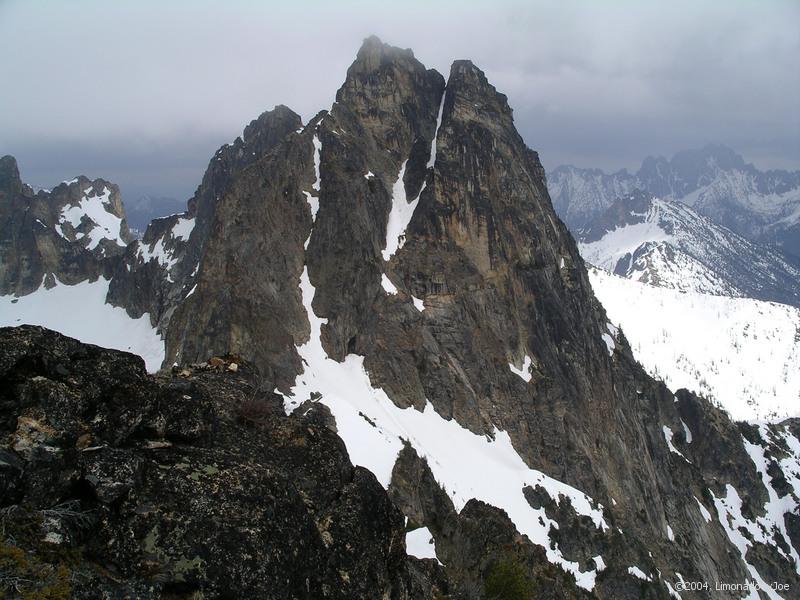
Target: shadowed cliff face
pixel 412 224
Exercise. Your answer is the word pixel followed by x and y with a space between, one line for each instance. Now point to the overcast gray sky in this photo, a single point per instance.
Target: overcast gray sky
pixel 143 92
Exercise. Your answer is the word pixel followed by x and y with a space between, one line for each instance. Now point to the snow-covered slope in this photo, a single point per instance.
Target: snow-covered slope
pixel 668 244
pixel 743 354
pixel 80 311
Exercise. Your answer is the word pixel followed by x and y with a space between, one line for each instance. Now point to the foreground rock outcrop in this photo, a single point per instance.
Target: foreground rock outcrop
pixel 117 484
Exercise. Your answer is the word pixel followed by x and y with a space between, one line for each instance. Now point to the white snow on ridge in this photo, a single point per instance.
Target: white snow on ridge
pixel 668 438
pixel 157 251
pixel 108 226
pixel 80 311
pixel 399 217
pixel 739 352
pixel 616 244
pixel 183 228
pixel 525 372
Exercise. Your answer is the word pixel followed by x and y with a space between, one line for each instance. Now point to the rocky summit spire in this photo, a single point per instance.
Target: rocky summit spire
pixel 10 183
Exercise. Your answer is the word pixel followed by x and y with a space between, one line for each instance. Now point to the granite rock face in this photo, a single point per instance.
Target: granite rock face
pixel 160 270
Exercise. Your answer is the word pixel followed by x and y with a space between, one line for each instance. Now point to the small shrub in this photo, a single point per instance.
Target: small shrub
pixel 507 579
pixel 27 577
pixel 254 411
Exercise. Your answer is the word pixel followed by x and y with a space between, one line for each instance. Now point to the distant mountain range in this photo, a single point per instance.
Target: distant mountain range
pixel 668 244
pixel 763 206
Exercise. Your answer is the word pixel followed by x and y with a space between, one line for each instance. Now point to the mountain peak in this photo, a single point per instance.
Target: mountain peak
pixel 374 52
pixel 271 126
pixel 468 80
pixel 710 156
pixel 9 175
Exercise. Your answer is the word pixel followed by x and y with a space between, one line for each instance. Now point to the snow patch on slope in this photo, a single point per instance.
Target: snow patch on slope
pixel 668 438
pixel 638 573
pixel 387 285
pixel 317 150
pixel 183 228
pixel 157 251
pixel 525 372
pixel 107 226
pixel 80 311
pixel 399 217
pixel 432 157
pixel 402 208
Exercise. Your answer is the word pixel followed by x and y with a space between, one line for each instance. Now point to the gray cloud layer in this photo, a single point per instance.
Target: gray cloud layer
pixel 144 92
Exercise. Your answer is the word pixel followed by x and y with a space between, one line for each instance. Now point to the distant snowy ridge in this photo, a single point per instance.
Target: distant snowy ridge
pixel 760 205
pixel 668 244
pixel 742 354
